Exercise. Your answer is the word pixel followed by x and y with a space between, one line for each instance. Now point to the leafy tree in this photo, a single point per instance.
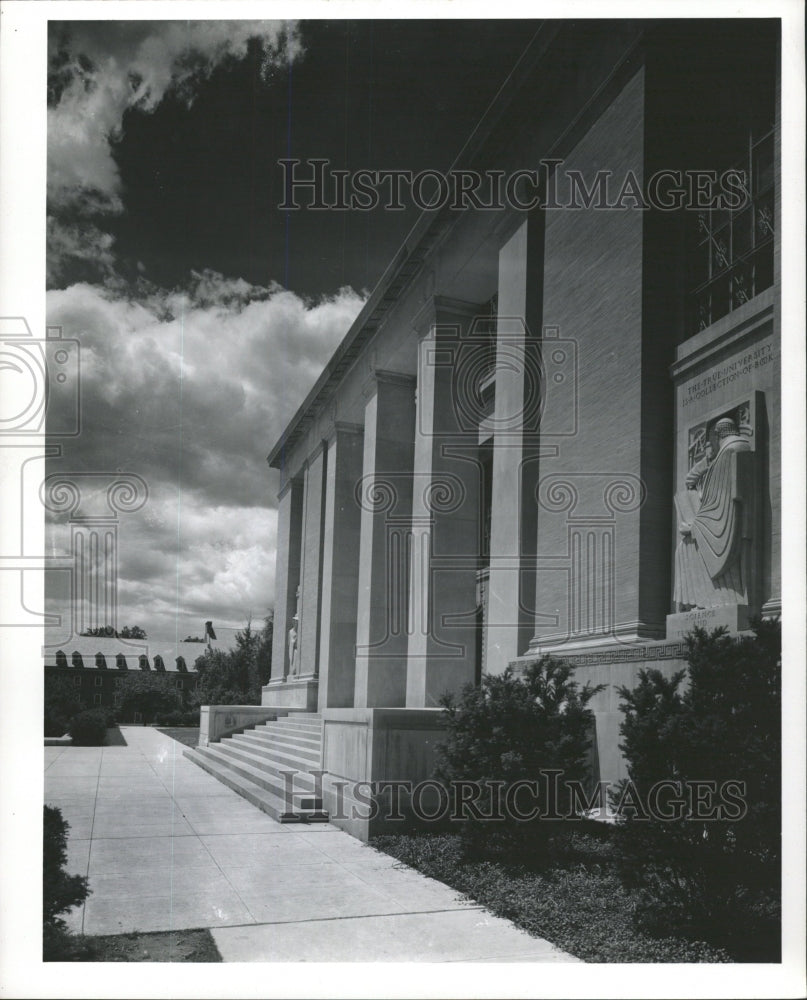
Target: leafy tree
pixel 247 647
pixel 265 649
pixel 518 728
pixel 88 728
pixel 60 891
pixel 135 632
pixel 61 703
pixel 148 693
pixel 234 677
pixel 107 632
pixel 221 679
pixel 708 873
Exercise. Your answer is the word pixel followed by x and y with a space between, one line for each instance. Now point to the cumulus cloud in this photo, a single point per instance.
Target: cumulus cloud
pixel 98 71
pixel 189 389
pixel 83 245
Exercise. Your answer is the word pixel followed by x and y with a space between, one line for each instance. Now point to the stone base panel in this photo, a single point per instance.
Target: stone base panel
pixel 296 693
pixel 371 745
pixel 733 616
pixel 598 653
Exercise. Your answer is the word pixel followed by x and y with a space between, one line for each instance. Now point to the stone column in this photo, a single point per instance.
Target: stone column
pixel 446 529
pixel 311 551
pixel 386 511
pixel 519 387
pixel 287 573
pixel 340 567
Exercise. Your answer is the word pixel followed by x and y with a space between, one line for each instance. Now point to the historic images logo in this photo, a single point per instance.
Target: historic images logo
pixel 40 382
pixel 549 186
pixel 547 798
pixel 40 389
pixel 39 406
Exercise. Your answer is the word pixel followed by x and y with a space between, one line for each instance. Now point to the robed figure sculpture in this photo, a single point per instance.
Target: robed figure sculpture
pixel 715 519
pixel 294 643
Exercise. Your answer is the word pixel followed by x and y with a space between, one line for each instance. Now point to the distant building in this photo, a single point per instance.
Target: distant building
pixel 96 665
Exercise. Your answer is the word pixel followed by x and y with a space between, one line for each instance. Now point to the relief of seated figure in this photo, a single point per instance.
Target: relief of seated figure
pixel 712 560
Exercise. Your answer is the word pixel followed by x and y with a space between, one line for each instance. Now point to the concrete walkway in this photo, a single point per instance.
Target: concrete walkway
pixel 166 847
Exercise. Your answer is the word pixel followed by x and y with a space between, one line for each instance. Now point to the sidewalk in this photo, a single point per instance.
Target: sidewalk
pixel 168 847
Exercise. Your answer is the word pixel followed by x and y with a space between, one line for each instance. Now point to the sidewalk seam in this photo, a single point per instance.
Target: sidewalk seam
pixel 355 916
pixel 92 827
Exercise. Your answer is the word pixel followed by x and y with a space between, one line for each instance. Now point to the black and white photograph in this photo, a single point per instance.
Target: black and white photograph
pixel 403 542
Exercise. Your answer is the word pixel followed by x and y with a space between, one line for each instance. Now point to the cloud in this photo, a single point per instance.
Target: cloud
pixel 85 245
pixel 190 388
pixel 97 71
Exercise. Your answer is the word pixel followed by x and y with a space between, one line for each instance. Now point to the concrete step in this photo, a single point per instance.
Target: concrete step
pixel 269 750
pixel 265 760
pixel 314 725
pixel 259 789
pixel 298 723
pixel 290 744
pixel 273 805
pixel 312 735
pixel 309 730
pixel 252 764
pixel 258 773
pixel 281 737
pixel 304 760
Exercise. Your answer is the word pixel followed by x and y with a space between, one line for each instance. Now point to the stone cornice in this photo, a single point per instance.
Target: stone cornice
pixel 315 452
pixel 342 427
pixel 438 308
pixel 383 376
pixel 287 485
pixel 348 428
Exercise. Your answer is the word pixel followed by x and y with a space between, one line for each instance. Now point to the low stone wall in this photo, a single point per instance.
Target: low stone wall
pixel 217 721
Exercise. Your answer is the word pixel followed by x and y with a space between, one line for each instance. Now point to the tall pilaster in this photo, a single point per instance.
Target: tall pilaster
pixel 311 552
pixel 446 500
pixel 385 531
pixel 340 566
pixel 287 574
pixel 604 500
pixel 519 397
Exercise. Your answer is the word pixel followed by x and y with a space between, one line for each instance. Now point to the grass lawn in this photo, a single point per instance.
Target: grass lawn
pixel 576 901
pixel 189 735
pixel 166 946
